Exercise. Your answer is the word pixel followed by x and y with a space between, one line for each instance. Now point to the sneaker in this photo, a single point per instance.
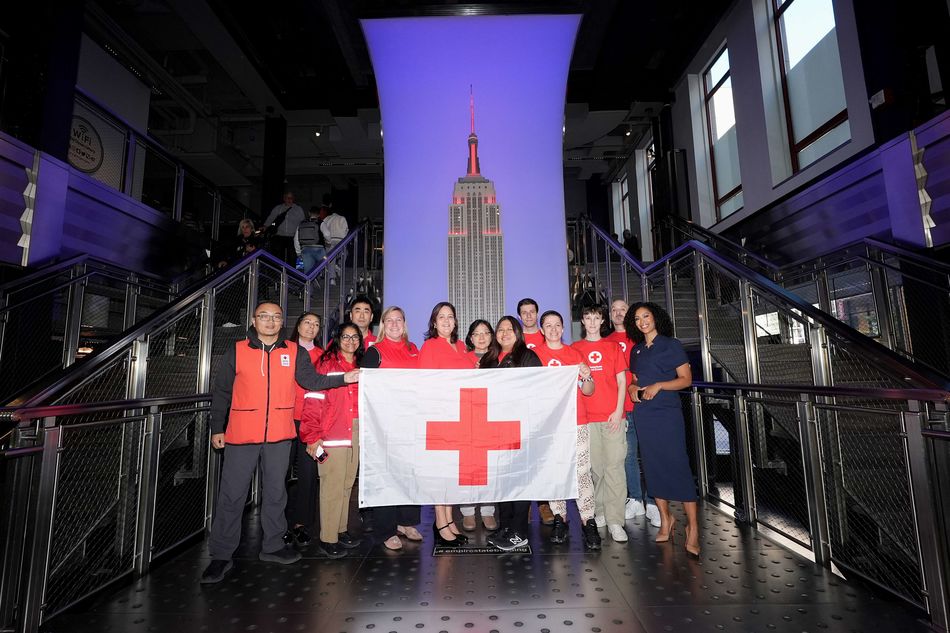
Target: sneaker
pixel 545 514
pixel 600 520
pixel 301 535
pixel 633 509
pixel 347 541
pixel 653 514
pixel 230 324
pixel 468 522
pixel 286 556
pixel 506 540
pixel 591 535
pixel 288 538
pixel 559 531
pixel 617 533
pixel 332 550
pixel 215 571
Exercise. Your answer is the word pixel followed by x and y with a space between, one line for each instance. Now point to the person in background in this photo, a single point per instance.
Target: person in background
pixel 661 369
pixel 394 350
pixel 554 353
pixel 509 350
pixel 252 409
pixel 608 442
pixel 334 228
pixel 479 337
pixel 281 224
pixel 534 338
pixel 246 242
pixel 635 494
pixel 361 314
pixel 631 244
pixel 330 430
pixel 302 492
pixel 442 349
pixel 308 241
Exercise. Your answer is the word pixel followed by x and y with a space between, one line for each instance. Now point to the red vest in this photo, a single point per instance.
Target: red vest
pixel 262 402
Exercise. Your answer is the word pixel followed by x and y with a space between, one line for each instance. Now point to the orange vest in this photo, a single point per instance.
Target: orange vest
pixel 262 402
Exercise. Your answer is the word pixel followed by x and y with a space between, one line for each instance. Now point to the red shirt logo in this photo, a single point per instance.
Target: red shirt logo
pixel 554 363
pixel 595 357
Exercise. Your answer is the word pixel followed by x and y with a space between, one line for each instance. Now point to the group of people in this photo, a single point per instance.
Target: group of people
pixel 275 397
pixel 301 239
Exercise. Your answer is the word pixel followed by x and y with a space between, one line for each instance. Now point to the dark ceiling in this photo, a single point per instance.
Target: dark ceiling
pixel 312 53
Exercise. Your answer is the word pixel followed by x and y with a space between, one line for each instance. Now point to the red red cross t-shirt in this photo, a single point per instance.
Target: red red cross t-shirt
pixel 566 355
pixel 605 362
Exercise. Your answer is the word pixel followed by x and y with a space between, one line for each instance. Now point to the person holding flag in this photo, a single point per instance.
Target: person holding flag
pixel 442 349
pixel 554 353
pixel 509 350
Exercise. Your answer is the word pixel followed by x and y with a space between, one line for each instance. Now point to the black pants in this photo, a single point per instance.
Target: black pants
pixel 514 516
pixel 302 494
pixel 386 518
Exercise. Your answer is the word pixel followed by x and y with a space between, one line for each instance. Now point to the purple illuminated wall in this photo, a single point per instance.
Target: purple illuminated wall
pixel 517 66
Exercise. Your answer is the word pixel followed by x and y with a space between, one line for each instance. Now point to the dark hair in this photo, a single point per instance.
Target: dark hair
pixel 598 308
pixel 295 336
pixel 548 313
pixel 664 324
pixel 333 349
pixel 527 301
pixel 518 352
pixel 361 299
pixel 432 332
pixel 471 330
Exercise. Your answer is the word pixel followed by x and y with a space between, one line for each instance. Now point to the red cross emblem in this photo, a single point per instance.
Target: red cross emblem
pixel 623 347
pixel 554 363
pixel 595 357
pixel 473 435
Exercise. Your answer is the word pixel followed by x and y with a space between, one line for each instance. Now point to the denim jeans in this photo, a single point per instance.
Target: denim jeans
pixel 312 256
pixel 632 463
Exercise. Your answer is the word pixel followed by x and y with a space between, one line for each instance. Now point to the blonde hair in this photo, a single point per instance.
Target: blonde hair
pixel 245 222
pixel 386 313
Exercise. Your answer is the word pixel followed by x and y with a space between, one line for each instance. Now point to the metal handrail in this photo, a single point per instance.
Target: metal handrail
pixel 909 370
pixel 686 226
pixel 25 414
pixel 929 395
pixel 173 310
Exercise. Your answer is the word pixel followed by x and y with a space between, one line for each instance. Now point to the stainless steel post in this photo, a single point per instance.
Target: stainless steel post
pixel 148 489
pixel 74 306
pixel 745 459
pixel 42 529
pixel 699 438
pixel 814 481
pixel 925 518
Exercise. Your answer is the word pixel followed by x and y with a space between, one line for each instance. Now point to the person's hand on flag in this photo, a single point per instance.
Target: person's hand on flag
pixel 351 376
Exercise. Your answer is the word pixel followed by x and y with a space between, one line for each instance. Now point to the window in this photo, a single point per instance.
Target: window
pixel 721 128
pixel 816 112
pixel 624 204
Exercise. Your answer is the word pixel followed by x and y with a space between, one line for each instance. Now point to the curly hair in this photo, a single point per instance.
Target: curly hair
pixel 664 324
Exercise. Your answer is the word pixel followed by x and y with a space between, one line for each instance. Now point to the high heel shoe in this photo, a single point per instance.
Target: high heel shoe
pixel 441 540
pixel 691 553
pixel 669 535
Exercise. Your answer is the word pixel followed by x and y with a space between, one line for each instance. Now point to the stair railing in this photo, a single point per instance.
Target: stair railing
pixel 902 285
pixel 68 309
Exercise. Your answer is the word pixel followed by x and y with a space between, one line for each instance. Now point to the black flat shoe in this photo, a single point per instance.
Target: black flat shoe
pixel 301 535
pixel 441 540
pixel 347 541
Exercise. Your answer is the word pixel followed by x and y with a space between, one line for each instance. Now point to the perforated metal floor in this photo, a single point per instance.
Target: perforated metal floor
pixel 743 582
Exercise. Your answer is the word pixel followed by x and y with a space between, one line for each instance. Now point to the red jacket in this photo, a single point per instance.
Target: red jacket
pixel 315 354
pixel 262 401
pixel 328 415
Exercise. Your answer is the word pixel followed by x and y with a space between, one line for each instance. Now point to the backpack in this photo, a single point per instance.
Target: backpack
pixel 308 233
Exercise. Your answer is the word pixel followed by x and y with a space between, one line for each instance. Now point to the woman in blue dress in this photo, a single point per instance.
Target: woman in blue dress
pixel 660 369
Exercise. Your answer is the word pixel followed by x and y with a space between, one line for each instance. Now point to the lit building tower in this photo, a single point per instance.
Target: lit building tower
pixel 476 255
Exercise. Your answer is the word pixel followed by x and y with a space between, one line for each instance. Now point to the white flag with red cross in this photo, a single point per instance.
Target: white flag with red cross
pixel 441 436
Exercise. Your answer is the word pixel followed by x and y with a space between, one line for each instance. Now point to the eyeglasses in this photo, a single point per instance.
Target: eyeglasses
pixel 482 333
pixel 267 318
pixel 350 337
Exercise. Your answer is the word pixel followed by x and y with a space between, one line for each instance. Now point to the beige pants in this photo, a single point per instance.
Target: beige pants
pixel 585 487
pixel 337 475
pixel 607 453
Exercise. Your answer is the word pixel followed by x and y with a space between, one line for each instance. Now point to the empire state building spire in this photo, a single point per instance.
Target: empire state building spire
pixel 473 167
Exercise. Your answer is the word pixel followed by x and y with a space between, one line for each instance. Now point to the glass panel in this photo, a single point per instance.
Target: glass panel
pixel 153 181
pixel 804 24
pixel 197 208
pixel 824 144
pixel 730 206
pixel 718 70
pixel 97 146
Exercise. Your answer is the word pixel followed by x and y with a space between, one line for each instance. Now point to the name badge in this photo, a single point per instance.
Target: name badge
pixel 285 360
